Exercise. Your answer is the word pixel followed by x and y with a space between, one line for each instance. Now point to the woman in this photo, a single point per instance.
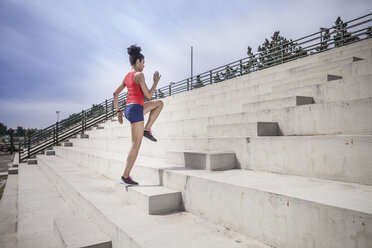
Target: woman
pixel 136 108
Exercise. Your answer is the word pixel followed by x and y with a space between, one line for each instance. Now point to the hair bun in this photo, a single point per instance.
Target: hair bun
pixel 134 49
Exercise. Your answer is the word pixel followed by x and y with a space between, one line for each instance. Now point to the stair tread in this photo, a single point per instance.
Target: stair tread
pixel 151 190
pixel 171 230
pixel 352 196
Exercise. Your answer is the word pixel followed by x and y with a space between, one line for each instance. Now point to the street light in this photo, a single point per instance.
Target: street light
pixel 57 112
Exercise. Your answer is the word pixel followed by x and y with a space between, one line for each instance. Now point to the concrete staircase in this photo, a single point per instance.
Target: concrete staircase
pixel 276 158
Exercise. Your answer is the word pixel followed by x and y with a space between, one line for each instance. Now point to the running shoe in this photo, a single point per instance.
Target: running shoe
pixel 128 180
pixel 148 135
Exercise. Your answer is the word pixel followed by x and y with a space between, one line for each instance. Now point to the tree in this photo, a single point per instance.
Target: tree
pixel 198 83
pixel 20 132
pixel 229 72
pixel 217 78
pixel 3 129
pixel 278 50
pixel 342 36
pixel 249 66
pixel 325 37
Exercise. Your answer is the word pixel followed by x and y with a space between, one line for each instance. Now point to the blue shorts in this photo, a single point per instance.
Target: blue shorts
pixel 133 113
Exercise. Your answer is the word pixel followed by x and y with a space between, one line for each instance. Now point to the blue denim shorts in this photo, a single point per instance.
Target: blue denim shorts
pixel 133 113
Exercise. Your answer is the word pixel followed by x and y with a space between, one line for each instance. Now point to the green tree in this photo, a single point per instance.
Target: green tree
pixel 217 78
pixel 325 37
pixel 249 66
pixel 198 83
pixel 3 128
pixel 20 132
pixel 342 36
pixel 278 50
pixel 229 72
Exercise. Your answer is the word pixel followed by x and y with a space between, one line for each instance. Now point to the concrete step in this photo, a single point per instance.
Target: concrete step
pixel 245 129
pixel 151 199
pixel 345 69
pixel 12 170
pixel 38 205
pixel 31 161
pixel 67 143
pixel 278 103
pixel 328 118
pixel 77 231
pixel 334 157
pixel 15 160
pixel 9 212
pixel 239 199
pixel 203 160
pixel 48 153
pixel 127 225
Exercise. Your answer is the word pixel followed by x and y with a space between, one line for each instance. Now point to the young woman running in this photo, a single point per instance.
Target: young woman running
pixel 136 108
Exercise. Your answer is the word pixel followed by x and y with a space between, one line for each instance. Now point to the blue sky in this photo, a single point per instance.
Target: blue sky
pixel 67 55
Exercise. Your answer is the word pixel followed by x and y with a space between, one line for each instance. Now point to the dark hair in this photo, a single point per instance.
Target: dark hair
pixel 134 52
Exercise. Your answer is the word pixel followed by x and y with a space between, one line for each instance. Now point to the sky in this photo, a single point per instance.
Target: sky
pixel 66 55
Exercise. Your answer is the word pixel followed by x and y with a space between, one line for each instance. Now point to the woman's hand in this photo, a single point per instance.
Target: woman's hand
pixel 156 77
pixel 120 117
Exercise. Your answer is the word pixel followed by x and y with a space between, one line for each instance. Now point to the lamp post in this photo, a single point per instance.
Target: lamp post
pixel 57 112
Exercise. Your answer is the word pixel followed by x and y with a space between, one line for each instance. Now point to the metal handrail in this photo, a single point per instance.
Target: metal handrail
pixel 279 54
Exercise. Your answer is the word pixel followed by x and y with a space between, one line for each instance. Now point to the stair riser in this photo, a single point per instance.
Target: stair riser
pixel 82 206
pixel 326 157
pixel 258 213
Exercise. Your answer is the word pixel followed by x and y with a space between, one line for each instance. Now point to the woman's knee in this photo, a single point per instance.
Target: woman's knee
pixel 136 146
pixel 160 104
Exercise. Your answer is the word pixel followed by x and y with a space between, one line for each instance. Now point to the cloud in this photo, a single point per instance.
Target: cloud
pixel 72 52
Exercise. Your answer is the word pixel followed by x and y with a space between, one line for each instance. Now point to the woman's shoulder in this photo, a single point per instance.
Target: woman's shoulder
pixel 137 74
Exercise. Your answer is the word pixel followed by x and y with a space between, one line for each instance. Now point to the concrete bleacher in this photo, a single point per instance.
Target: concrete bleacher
pixel 276 158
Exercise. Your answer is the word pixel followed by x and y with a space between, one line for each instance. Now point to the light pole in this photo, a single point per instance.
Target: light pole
pixel 57 112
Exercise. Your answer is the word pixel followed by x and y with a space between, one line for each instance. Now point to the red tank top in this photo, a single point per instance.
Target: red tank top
pixel 135 94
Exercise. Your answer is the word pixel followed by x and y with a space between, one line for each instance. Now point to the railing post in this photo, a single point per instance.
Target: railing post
pixel 11 142
pixel 210 77
pixel 19 152
pixel 241 67
pixel 54 136
pixel 112 108
pixel 29 144
pixel 191 86
pixel 282 52
pixel 106 110
pixel 57 132
pixel 82 122
pixel 170 90
pixel 188 84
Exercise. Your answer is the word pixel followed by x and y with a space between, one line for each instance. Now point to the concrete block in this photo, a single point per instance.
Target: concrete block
pixel 67 143
pixel 243 129
pixel 152 199
pixel 278 103
pixel 12 170
pixel 203 160
pixel 84 136
pixel 48 153
pixel 77 231
pixel 16 160
pixel 31 161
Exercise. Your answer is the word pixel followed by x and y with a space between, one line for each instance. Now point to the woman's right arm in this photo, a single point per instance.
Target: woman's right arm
pixel 140 79
pixel 116 101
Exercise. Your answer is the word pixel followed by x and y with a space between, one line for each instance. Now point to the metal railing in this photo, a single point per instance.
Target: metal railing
pixel 343 34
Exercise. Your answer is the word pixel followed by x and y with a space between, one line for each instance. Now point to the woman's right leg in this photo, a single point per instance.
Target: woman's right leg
pixel 137 134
